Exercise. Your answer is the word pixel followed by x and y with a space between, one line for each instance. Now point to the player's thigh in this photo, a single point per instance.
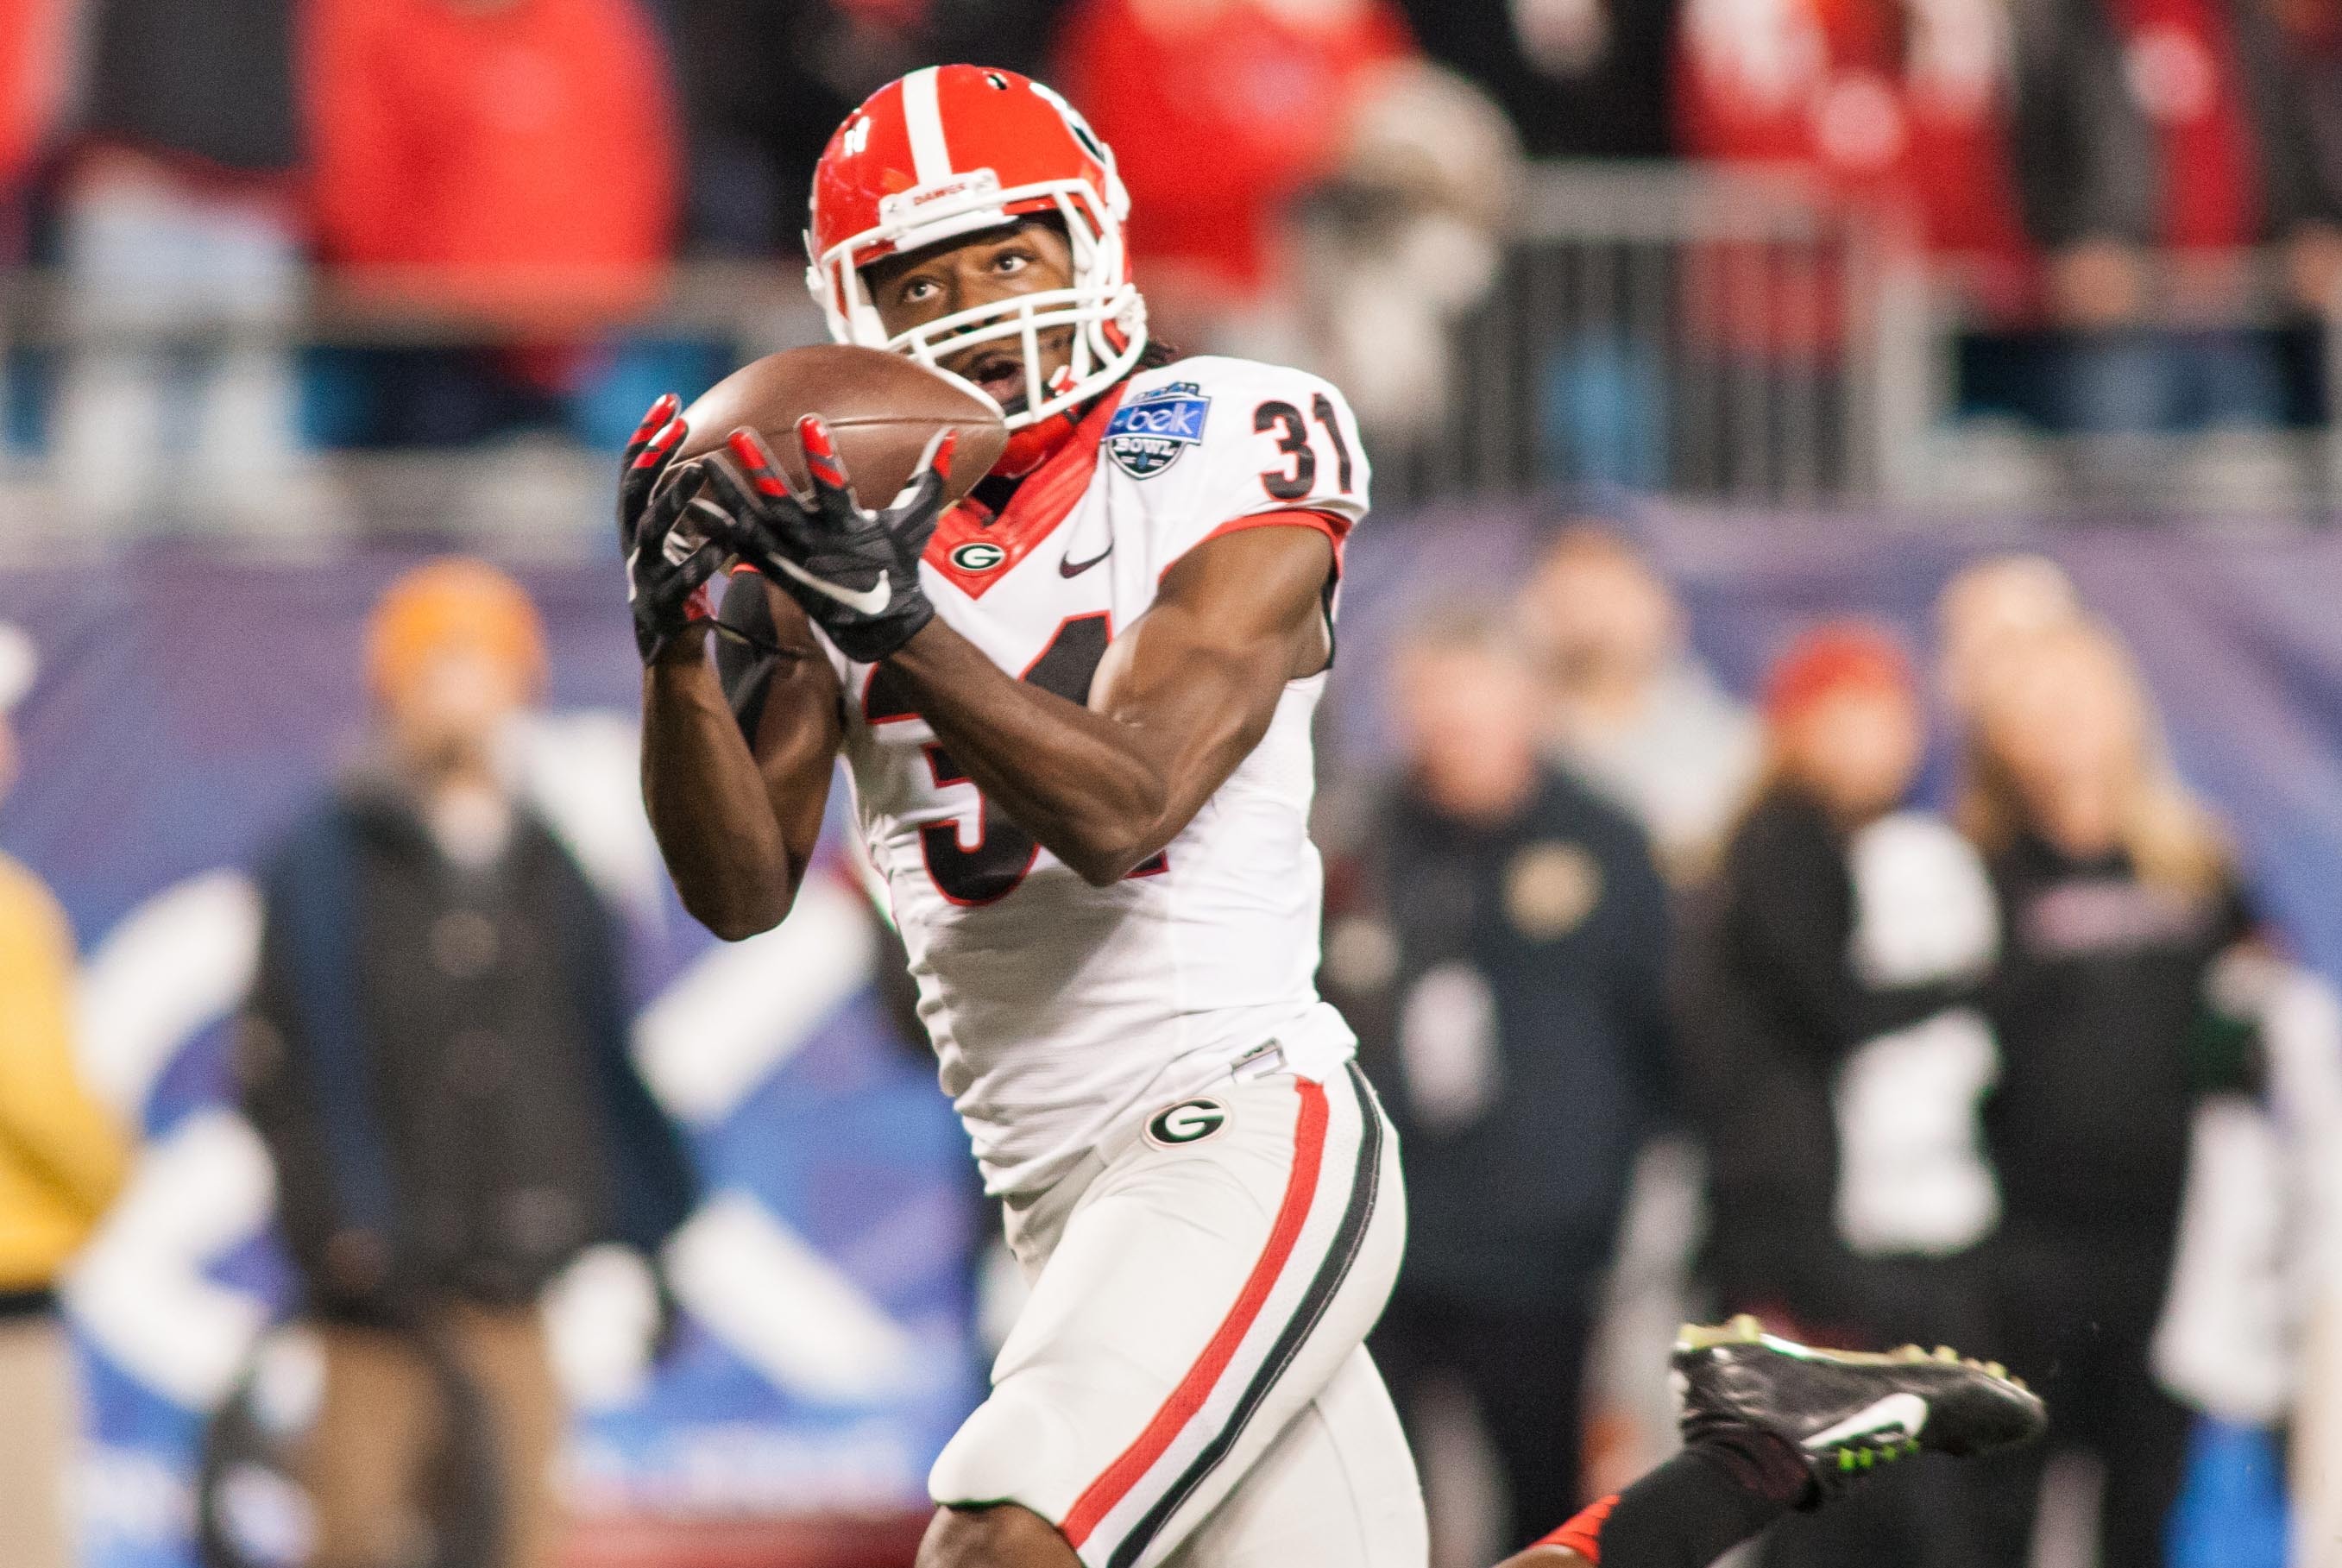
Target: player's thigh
pixel 1209 1284
pixel 1336 1490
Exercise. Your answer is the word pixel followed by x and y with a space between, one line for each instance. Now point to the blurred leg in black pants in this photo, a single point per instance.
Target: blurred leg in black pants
pixel 1524 1366
pixel 2077 1320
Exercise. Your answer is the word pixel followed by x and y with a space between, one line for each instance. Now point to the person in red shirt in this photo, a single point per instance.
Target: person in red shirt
pixel 1881 101
pixel 1220 111
pixel 31 75
pixel 513 160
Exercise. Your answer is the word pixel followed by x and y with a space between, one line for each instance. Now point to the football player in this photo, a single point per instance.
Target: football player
pixel 1076 711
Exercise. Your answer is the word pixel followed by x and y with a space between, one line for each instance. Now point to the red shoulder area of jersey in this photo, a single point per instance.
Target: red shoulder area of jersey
pixel 1045 498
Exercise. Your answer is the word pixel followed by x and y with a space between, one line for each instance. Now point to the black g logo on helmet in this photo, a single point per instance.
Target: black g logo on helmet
pixel 1188 1122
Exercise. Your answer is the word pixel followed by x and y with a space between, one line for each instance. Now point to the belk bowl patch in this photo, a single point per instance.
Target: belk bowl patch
pixel 1146 435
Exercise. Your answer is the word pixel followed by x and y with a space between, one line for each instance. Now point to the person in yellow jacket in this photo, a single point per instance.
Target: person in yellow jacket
pixel 61 1161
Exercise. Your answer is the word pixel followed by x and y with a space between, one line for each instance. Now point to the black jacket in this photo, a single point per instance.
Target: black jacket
pixel 2107 1039
pixel 437 1059
pixel 214 82
pixel 1615 107
pixel 1770 1007
pixel 1563 917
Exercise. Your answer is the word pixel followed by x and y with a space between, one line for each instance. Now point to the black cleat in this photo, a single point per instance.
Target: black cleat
pixel 1845 1412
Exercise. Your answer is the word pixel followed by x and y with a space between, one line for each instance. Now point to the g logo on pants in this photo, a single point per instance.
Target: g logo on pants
pixel 1188 1122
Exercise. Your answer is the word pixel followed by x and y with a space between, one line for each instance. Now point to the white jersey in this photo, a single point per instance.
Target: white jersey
pixel 1061 1011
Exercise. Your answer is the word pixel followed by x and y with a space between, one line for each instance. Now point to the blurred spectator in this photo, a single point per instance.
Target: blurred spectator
pixel 2169 127
pixel 1832 1076
pixel 1627 705
pixel 1899 98
pixel 1579 78
pixel 1405 236
pixel 34 35
pixel 2117 895
pixel 1219 112
pixel 1896 108
pixel 1779 1003
pixel 178 236
pixel 769 80
pixel 511 165
pixel 61 1161
pixel 1988 607
pixel 436 1053
pixel 1902 100
pixel 1523 1037
pixel 2312 30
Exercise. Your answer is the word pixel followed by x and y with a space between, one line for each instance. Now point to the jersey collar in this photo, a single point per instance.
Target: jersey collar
pixel 1045 498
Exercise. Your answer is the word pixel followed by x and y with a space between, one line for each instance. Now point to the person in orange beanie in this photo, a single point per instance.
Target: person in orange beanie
pixel 1840 922
pixel 435 1054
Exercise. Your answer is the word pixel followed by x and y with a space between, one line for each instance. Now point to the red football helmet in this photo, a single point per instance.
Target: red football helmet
pixel 954 149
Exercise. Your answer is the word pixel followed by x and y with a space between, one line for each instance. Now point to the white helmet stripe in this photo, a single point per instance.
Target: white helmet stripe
pixel 924 116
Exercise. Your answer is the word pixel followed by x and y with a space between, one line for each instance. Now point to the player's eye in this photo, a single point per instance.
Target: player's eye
pixel 918 289
pixel 1011 262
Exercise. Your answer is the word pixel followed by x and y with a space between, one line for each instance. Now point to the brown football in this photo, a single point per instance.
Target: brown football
pixel 881 408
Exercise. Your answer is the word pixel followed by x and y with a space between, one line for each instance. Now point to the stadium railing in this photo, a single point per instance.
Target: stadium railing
pixel 1676 329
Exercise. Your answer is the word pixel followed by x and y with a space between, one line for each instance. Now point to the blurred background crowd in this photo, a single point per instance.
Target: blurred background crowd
pixel 1932 250
pixel 1832 787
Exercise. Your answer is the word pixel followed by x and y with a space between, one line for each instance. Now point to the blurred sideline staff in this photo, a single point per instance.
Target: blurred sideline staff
pixel 1832 1067
pixel 435 1054
pixel 62 1162
pixel 1627 705
pixel 2118 894
pixel 1511 998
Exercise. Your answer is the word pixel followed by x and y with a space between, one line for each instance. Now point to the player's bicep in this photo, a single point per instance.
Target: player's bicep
pixel 785 694
pixel 1198 676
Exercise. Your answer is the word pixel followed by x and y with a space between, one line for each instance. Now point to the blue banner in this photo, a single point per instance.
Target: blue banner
pixel 190 708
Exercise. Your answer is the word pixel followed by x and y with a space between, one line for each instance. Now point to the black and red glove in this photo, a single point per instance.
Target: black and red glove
pixel 667 569
pixel 855 571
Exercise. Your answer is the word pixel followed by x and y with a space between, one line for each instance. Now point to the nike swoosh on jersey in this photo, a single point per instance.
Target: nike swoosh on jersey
pixel 1069 567
pixel 869 601
pixel 1904 1412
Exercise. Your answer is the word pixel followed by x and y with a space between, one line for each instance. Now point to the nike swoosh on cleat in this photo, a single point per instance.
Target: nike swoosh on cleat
pixel 870 601
pixel 1902 1413
pixel 1069 567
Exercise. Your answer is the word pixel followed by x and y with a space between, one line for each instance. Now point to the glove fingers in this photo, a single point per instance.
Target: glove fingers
pixel 752 520
pixel 730 492
pixel 759 466
pixel 646 464
pixel 912 521
pixel 653 423
pixel 833 488
pixel 703 564
pixel 935 470
pixel 668 503
pixel 933 473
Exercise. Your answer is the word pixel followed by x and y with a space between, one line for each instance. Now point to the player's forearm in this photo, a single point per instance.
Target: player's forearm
pixel 1081 783
pixel 709 807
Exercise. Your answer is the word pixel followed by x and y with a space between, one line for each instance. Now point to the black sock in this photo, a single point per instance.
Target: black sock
pixel 1727 1485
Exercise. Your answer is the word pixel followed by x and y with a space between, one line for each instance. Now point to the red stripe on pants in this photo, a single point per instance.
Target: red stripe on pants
pixel 1300 1188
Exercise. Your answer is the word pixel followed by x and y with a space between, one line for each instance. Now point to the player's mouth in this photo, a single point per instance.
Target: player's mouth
pixel 1000 373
